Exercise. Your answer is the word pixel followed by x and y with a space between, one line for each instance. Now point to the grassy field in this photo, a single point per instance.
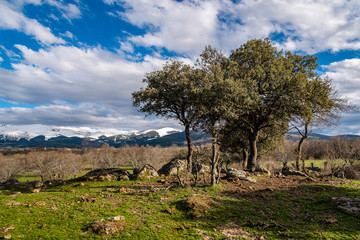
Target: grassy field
pixel 271 208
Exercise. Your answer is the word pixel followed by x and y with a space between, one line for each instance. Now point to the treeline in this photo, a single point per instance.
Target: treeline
pixel 246 101
pixel 51 164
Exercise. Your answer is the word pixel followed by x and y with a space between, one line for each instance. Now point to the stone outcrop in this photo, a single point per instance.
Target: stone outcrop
pixel 108 226
pixel 262 169
pixel 235 174
pixel 106 174
pixel 287 171
pixel 171 167
pixel 347 204
pixel 145 172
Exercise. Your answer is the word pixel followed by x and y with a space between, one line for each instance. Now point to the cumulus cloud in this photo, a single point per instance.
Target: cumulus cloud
pixel 102 79
pixel 184 27
pixel 187 26
pixel 12 19
pixel 74 74
pixel 68 11
pixel 346 78
pixel 88 115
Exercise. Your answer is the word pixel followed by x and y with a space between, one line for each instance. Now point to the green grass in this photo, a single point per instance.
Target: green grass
pixel 59 212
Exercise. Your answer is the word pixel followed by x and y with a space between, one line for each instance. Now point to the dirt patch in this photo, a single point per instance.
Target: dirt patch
pixel 232 230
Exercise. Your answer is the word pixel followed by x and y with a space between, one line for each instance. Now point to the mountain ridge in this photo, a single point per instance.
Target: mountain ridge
pixel 93 138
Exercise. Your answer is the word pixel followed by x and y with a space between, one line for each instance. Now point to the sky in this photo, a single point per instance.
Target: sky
pixel 76 63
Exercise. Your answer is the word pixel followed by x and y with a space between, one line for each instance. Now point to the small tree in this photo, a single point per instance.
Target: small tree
pixel 321 106
pixel 171 93
pixel 213 88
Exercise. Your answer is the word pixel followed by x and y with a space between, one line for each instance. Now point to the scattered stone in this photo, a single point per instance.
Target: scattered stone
pixel 81 184
pixel 171 167
pixel 145 172
pixel 117 218
pixel 55 182
pixel 107 227
pixel 34 184
pixel 287 171
pixel 163 181
pixel 348 204
pixel 12 204
pixel 331 220
pixel 35 190
pixel 234 174
pixel 7 236
pixel 54 207
pixel 87 198
pixel 6 229
pixel 11 181
pixel 232 230
pixel 106 174
pixel 262 170
pixel 15 194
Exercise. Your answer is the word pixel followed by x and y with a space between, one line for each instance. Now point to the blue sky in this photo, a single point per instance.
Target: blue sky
pixel 76 63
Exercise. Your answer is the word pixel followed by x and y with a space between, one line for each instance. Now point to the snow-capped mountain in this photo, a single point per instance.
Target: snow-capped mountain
pixel 10 132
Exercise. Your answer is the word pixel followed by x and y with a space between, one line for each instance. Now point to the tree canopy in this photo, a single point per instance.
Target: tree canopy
pixel 254 95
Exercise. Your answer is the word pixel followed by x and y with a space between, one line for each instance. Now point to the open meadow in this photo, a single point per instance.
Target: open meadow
pixel 73 206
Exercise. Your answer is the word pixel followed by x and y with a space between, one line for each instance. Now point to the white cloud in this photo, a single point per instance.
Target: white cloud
pixel 311 26
pixel 1 59
pixel 14 20
pixel 187 26
pixel 89 115
pixel 346 78
pixel 68 11
pixel 184 27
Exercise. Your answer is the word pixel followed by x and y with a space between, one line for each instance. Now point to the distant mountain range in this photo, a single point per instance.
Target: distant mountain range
pixel 31 136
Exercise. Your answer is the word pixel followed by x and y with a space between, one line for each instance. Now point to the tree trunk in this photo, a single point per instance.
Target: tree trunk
pixel 245 157
pixel 190 149
pixel 214 160
pixel 299 148
pixel 253 138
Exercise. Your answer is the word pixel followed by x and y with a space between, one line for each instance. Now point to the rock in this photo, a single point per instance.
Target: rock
pixel 11 181
pixel 106 174
pixel 348 204
pixel 117 218
pixel 234 173
pixel 35 184
pixel 107 227
pixel 331 220
pixel 262 170
pixel 145 172
pixel 7 236
pixel 287 171
pixel 35 190
pixel 15 194
pixel 55 182
pixel 171 167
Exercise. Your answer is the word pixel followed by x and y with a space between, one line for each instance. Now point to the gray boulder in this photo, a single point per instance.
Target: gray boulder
pixel 106 174
pixel 171 167
pixel 235 174
pixel 262 170
pixel 348 204
pixel 145 172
